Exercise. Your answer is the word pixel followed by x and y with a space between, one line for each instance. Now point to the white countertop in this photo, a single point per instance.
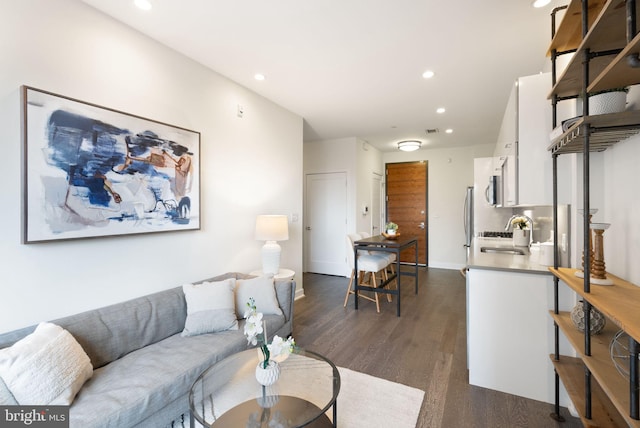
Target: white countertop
pixel 503 261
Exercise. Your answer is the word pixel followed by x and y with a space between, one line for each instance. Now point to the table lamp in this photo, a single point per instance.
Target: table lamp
pixel 271 228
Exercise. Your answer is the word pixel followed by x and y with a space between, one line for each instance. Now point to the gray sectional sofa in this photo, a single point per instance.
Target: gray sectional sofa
pixel 143 367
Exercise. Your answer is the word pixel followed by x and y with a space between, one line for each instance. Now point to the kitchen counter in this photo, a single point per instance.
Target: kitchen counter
pixel 503 261
pixel 509 333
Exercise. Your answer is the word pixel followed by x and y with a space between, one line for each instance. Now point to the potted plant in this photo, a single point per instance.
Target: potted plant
pixel 267 370
pixel 391 228
pixel 521 225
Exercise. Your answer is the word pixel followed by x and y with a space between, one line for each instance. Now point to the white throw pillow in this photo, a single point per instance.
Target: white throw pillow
pixel 210 307
pixel 47 367
pixel 262 290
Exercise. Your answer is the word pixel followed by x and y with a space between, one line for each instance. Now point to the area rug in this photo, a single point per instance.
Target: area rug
pixel 364 401
pixel 369 402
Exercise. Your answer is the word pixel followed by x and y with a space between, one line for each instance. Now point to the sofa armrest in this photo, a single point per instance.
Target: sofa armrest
pixel 285 293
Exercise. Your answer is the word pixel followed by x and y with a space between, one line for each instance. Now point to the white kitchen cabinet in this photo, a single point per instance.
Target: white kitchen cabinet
pixel 523 141
pixel 509 338
pixel 534 126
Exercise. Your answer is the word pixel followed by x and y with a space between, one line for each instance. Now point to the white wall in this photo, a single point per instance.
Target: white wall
pixel 359 161
pixel 450 171
pixel 369 161
pixel 620 206
pixel 69 48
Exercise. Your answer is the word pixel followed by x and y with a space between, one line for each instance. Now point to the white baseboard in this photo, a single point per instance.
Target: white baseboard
pixel 445 265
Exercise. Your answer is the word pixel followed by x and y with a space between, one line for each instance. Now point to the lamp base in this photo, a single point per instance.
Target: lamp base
pixel 271 257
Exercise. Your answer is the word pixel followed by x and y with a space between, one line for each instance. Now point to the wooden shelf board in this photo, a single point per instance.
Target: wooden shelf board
pixel 606 130
pixel 609 28
pixel 571 372
pixel 569 33
pixel 599 363
pixel 607 32
pixel 619 302
pixel 570 82
pixel 619 73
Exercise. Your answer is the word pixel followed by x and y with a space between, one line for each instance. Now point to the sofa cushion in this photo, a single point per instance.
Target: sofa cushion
pixel 47 367
pixel 109 333
pixel 262 290
pixel 129 390
pixel 210 307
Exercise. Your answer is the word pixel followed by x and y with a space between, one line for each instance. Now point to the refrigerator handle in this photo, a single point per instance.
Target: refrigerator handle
pixel 468 216
pixel 465 214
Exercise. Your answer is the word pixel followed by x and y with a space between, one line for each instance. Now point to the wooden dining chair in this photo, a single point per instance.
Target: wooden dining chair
pixel 391 262
pixel 368 265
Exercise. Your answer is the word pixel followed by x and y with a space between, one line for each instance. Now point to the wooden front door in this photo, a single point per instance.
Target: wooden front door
pixel 406 185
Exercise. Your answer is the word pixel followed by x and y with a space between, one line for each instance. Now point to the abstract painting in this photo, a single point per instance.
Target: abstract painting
pixel 92 171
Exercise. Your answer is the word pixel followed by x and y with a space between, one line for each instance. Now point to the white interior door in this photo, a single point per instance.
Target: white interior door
pixel 326 223
pixel 377 193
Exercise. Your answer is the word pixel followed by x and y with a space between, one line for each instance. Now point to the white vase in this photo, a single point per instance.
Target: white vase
pixel 267 376
pixel 521 238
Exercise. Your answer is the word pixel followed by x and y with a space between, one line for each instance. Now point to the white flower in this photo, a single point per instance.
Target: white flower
pixel 520 222
pixel 253 327
pixel 279 346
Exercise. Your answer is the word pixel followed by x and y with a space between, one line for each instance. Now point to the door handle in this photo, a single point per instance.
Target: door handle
pixel 308 228
pixel 421 225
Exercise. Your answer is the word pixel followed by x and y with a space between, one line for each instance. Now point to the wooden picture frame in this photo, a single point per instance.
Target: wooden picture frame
pixel 91 171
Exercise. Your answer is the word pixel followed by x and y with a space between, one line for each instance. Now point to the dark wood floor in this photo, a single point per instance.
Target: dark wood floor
pixel 425 348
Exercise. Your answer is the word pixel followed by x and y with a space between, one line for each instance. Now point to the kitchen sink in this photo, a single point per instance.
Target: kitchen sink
pixel 506 250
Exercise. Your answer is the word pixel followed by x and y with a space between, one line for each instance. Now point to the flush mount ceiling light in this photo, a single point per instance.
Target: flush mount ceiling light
pixel 428 74
pixel 409 145
pixel 540 3
pixel 142 4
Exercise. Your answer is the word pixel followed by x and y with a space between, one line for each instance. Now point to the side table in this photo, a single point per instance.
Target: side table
pixel 282 275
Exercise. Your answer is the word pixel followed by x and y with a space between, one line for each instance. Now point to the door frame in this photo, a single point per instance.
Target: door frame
pixel 377 194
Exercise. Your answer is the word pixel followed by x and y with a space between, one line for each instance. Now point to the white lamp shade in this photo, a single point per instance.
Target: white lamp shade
pixel 272 228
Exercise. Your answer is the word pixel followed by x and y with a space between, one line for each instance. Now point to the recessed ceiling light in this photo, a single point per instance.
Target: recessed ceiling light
pixel 142 4
pixel 448 131
pixel 440 110
pixel 428 74
pixel 540 3
pixel 259 76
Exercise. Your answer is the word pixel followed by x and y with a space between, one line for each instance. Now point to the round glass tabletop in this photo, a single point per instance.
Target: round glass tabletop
pixel 227 394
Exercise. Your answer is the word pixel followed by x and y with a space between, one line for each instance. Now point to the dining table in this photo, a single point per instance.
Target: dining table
pixel 387 244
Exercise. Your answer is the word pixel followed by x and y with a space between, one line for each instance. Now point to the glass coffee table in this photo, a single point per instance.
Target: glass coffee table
pixel 227 394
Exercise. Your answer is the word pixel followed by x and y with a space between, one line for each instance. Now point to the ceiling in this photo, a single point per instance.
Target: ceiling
pixel 353 68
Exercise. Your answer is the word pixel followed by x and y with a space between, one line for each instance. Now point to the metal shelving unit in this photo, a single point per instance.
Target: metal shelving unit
pixel 604 38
